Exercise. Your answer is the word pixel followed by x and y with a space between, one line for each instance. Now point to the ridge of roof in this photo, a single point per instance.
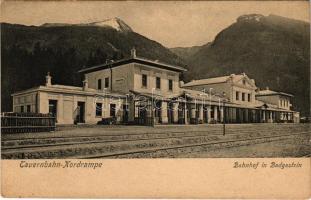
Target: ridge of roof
pixel 206 81
pixel 271 92
pixel 129 60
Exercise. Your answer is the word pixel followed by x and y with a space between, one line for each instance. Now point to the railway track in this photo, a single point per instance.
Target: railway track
pixel 6 141
pixel 170 150
pixel 94 139
pixel 140 132
pixel 95 146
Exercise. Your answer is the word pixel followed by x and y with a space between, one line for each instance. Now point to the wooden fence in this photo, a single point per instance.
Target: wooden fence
pixel 26 122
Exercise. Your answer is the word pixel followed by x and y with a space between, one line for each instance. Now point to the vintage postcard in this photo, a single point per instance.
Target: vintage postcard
pixel 155 99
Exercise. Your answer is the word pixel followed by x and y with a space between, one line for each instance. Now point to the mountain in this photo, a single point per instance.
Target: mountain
pixel 273 50
pixel 114 23
pixel 187 52
pixel 29 52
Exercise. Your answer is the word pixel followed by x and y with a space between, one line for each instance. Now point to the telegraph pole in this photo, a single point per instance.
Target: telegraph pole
pixel 152 108
pixel 224 114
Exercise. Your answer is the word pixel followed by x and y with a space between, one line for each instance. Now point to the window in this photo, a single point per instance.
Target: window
pixel 243 96
pixel 158 82
pixel 237 95
pixel 244 82
pixel 107 82
pixel 170 84
pixel 99 109
pixel 144 80
pixel 28 108
pixel 99 84
pixel 249 97
pixel 112 110
pixel 22 109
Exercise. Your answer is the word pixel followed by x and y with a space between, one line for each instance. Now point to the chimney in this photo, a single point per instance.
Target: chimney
pixel 85 84
pixel 48 79
pixel 133 52
pixel 267 88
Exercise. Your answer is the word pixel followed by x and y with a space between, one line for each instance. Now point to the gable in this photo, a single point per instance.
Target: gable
pixel 245 82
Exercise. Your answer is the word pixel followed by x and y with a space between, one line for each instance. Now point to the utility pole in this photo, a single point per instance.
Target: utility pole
pixel 224 114
pixel 152 108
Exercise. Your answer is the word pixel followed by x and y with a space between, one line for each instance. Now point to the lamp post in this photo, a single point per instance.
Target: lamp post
pixel 203 101
pixel 210 96
pixel 224 113
pixel 210 102
pixel 152 107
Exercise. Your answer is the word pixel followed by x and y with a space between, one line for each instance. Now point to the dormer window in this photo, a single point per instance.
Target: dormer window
pixel 244 82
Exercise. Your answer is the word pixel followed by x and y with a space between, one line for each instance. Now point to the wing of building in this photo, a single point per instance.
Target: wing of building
pixel 137 90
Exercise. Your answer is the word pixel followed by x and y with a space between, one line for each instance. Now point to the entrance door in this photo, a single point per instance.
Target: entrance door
pixel 125 114
pixel 142 115
pixel 81 111
pixel 205 114
pixel 170 113
pixel 53 108
pixel 112 110
pixel 158 109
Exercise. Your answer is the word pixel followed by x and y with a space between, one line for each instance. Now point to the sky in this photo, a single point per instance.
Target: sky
pixel 173 24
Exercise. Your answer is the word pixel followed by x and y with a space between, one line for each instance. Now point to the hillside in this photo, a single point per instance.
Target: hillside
pixel 29 52
pixel 271 49
pixel 187 52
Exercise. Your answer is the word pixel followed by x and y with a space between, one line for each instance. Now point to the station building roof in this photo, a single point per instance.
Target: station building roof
pixel 220 79
pixel 268 92
pixel 132 59
pixel 65 89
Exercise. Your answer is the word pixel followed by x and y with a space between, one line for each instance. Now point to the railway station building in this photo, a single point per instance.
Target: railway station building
pixel 137 90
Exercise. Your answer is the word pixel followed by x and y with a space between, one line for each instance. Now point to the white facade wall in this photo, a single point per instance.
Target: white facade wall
pixel 25 100
pixel 152 73
pixel 279 100
pixel 246 90
pixel 129 77
pixel 122 78
pixel 230 89
pixel 67 105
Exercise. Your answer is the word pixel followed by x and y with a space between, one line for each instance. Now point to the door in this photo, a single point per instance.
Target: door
pixel 53 108
pixel 81 112
pixel 142 114
pixel 158 110
pixel 170 112
pixel 205 114
pixel 125 113
pixel 112 110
